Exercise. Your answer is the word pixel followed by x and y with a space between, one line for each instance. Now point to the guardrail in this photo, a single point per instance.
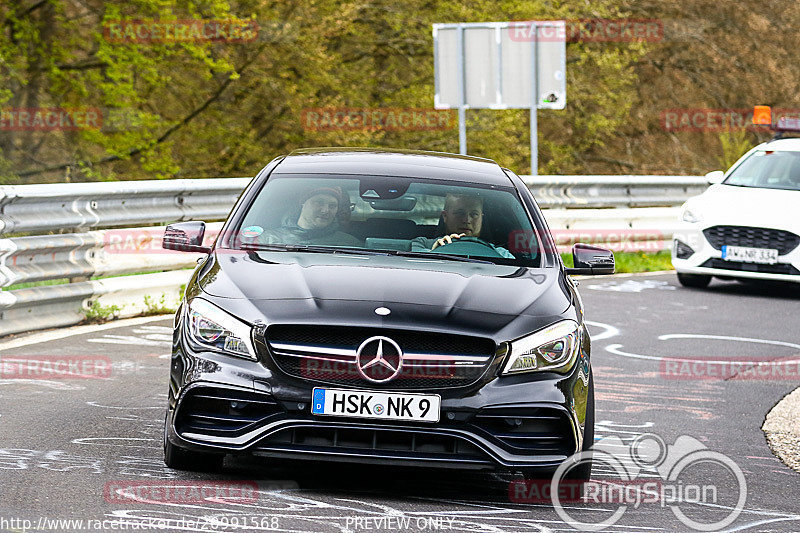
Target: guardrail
pixel 70 233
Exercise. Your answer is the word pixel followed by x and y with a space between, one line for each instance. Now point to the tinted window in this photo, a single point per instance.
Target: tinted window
pixel 399 216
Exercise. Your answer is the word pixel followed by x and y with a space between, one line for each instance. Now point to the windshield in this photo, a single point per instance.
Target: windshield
pixel 413 217
pixel 768 170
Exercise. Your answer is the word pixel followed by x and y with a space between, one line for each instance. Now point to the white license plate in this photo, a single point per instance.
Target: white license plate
pixel 372 404
pixel 767 256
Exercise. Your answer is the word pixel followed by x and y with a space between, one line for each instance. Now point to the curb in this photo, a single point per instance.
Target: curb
pixel 782 430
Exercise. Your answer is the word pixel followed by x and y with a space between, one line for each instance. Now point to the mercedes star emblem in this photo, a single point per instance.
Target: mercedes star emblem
pixel 379 359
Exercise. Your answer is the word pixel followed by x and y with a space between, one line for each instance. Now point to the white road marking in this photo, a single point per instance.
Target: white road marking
pixel 123 407
pixel 610 331
pixel 57 385
pixel 615 349
pixel 47 336
pixel 131 340
pixel 111 441
pixel 632 285
pixel 725 338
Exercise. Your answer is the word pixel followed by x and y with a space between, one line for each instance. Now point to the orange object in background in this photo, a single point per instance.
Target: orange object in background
pixel 762 115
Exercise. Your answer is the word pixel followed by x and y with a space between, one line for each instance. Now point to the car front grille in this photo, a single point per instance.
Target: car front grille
pixel 223 412
pixel 530 429
pixel 783 241
pixel 777 268
pixel 329 355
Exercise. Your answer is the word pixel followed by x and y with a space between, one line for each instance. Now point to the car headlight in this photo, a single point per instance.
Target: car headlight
pixel 691 216
pixel 552 349
pixel 210 326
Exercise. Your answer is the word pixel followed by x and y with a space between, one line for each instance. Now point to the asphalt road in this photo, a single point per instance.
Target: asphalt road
pixel 66 445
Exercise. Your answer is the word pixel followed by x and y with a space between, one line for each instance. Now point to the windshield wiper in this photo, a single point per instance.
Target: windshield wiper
pixel 357 251
pixel 449 257
pixel 310 248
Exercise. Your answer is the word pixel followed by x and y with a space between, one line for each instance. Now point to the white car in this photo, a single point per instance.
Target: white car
pixel 747 224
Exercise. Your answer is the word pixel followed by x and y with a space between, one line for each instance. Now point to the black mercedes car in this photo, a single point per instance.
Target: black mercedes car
pixel 392 307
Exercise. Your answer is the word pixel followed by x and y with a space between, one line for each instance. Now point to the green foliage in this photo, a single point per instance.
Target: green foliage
pixel 192 109
pixel 160 307
pixel 734 145
pixel 98 313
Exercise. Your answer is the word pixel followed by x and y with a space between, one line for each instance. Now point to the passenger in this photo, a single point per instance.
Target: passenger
pixel 321 210
pixel 463 217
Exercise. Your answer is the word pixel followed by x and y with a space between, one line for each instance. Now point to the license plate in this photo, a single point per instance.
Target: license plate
pixel 767 256
pixel 372 404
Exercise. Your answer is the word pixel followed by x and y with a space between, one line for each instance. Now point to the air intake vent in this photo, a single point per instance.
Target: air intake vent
pixel 223 412
pixel 540 430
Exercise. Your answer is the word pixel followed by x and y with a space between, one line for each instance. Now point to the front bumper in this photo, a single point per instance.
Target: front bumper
pixel 533 421
pixel 707 260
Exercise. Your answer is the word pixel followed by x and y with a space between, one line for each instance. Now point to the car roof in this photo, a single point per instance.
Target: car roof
pixel 782 145
pixel 393 162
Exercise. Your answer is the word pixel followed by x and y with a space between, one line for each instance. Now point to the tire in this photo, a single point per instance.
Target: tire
pixel 697 281
pixel 181 459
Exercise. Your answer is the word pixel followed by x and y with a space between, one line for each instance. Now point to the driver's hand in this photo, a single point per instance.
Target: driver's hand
pixel 447 239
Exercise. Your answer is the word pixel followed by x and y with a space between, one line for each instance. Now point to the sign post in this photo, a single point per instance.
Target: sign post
pixel 500 65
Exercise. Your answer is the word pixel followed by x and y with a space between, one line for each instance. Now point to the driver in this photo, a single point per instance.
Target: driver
pixel 463 217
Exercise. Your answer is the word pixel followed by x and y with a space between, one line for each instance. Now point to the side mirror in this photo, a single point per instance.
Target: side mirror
pixel 715 177
pixel 588 259
pixel 185 237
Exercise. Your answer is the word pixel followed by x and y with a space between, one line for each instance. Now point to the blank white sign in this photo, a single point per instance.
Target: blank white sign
pixel 495 61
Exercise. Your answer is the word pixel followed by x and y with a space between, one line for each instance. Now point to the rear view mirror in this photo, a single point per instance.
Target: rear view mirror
pixel 588 259
pixel 406 203
pixel 185 237
pixel 715 177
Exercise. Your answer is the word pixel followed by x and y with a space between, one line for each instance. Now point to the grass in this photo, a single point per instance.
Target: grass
pixel 97 314
pixel 36 284
pixel 157 307
pixel 631 262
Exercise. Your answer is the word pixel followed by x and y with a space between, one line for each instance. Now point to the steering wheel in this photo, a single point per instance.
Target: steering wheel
pixel 472 246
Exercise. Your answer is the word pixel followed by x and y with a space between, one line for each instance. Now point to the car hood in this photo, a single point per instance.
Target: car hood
pixel 747 206
pixel 346 289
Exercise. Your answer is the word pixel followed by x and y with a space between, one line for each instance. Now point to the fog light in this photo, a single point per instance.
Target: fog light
pixel 683 250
